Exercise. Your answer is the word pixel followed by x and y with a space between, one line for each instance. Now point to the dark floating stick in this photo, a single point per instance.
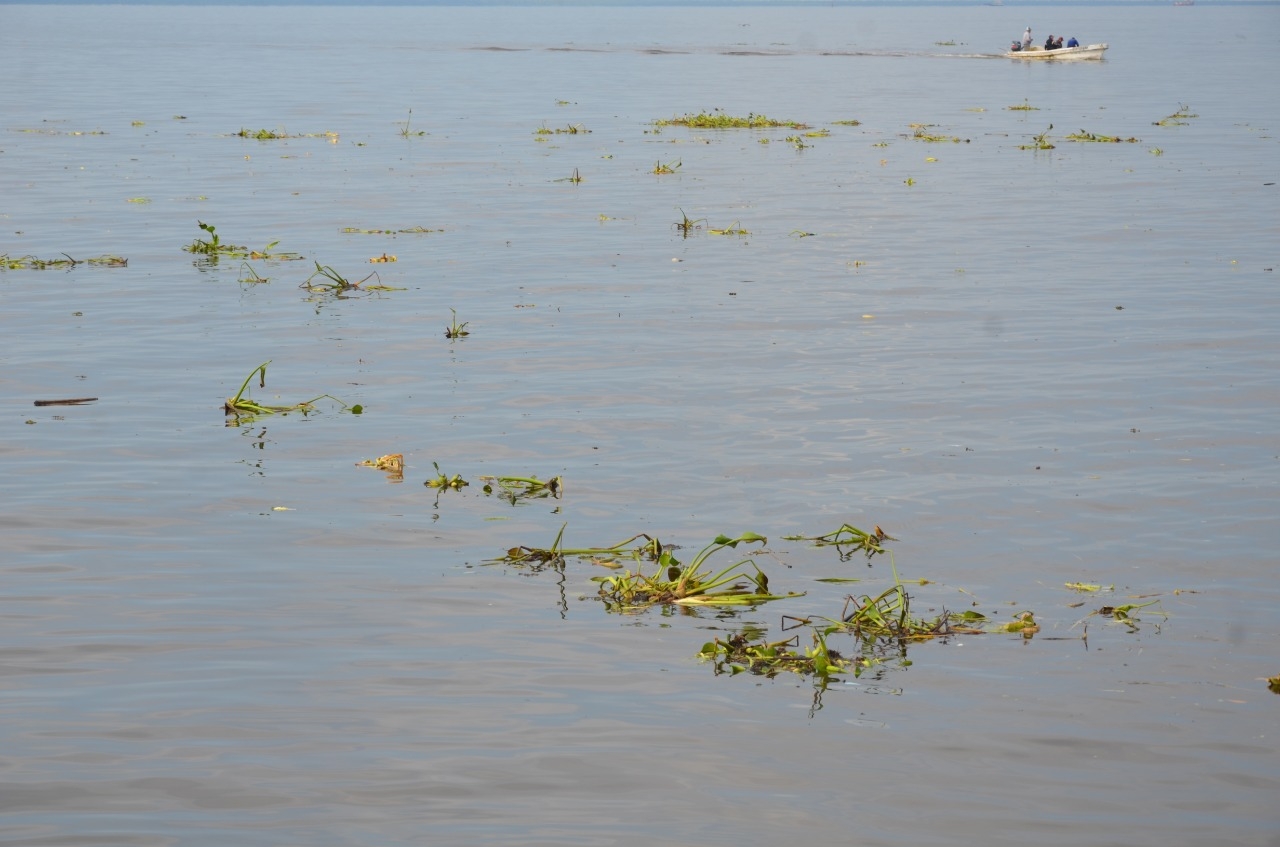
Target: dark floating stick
pixel 74 401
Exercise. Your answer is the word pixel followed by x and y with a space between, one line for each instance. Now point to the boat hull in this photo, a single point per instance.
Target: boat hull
pixel 1089 51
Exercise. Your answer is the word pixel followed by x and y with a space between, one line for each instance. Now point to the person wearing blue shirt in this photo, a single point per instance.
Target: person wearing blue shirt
pixel 1073 42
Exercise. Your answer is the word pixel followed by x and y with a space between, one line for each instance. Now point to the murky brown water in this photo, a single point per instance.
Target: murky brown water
pixel 1032 368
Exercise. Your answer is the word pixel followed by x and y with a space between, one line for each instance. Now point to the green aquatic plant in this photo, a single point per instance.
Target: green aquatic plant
pixel 1024 107
pixel 717 119
pixel 213 248
pixel 847 123
pixel 326 280
pixel 413 230
pixel 405 132
pixel 454 329
pixel 694 584
pixel 1039 142
pixel 1124 613
pixel 444 482
pixel 249 276
pixel 514 488
pixel 1178 118
pixel 246 410
pixel 734 228
pixel 668 168
pixel 920 132
pixel 738 654
pixel 850 541
pixel 12 263
pixel 1083 135
pixel 688 225
pixel 571 129
pixel 605 557
pixel 262 134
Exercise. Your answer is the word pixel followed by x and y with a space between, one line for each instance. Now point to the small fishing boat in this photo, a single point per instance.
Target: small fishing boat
pixel 1084 51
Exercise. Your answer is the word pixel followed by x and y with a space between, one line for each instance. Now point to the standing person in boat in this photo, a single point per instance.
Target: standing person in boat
pixel 1026 39
pixel 1072 42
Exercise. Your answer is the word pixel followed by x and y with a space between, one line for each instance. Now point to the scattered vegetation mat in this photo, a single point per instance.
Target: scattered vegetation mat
pixel 66 263
pixel 392 464
pixel 740 584
pixel 246 410
pixel 412 230
pixel 717 119
pixel 1179 118
pixel 517 488
pixel 1086 136
pixel 212 248
pixel 277 134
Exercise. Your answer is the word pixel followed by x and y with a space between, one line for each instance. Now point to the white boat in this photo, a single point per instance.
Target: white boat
pixel 1084 51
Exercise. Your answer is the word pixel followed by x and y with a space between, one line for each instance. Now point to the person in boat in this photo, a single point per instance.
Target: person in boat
pixel 1057 45
pixel 1049 43
pixel 1071 42
pixel 1026 39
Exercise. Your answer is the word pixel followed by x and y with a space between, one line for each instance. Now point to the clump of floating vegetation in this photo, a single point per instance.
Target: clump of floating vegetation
pixel 31 263
pixel 1178 118
pixel 737 654
pixel 213 248
pixel 574 177
pixel 69 132
pixel 1125 613
pixel 694 584
pixel 796 141
pixel 1039 142
pixel 847 123
pixel 249 276
pixel 920 132
pixel 717 119
pixel 1088 587
pixel 275 135
pixel 571 129
pixel 734 228
pixel 516 488
pixel 413 230
pixel 884 624
pixel 405 132
pixel 669 168
pixel 687 225
pixel 1025 106
pixel 850 541
pixel 454 329
pixel 444 482
pixel 243 409
pixel 326 280
pixel 1083 135
pixel 392 464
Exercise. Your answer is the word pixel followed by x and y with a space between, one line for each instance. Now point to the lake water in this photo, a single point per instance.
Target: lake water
pixel 1031 367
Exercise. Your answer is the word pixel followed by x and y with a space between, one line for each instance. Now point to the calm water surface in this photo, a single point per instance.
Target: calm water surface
pixel 1032 367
